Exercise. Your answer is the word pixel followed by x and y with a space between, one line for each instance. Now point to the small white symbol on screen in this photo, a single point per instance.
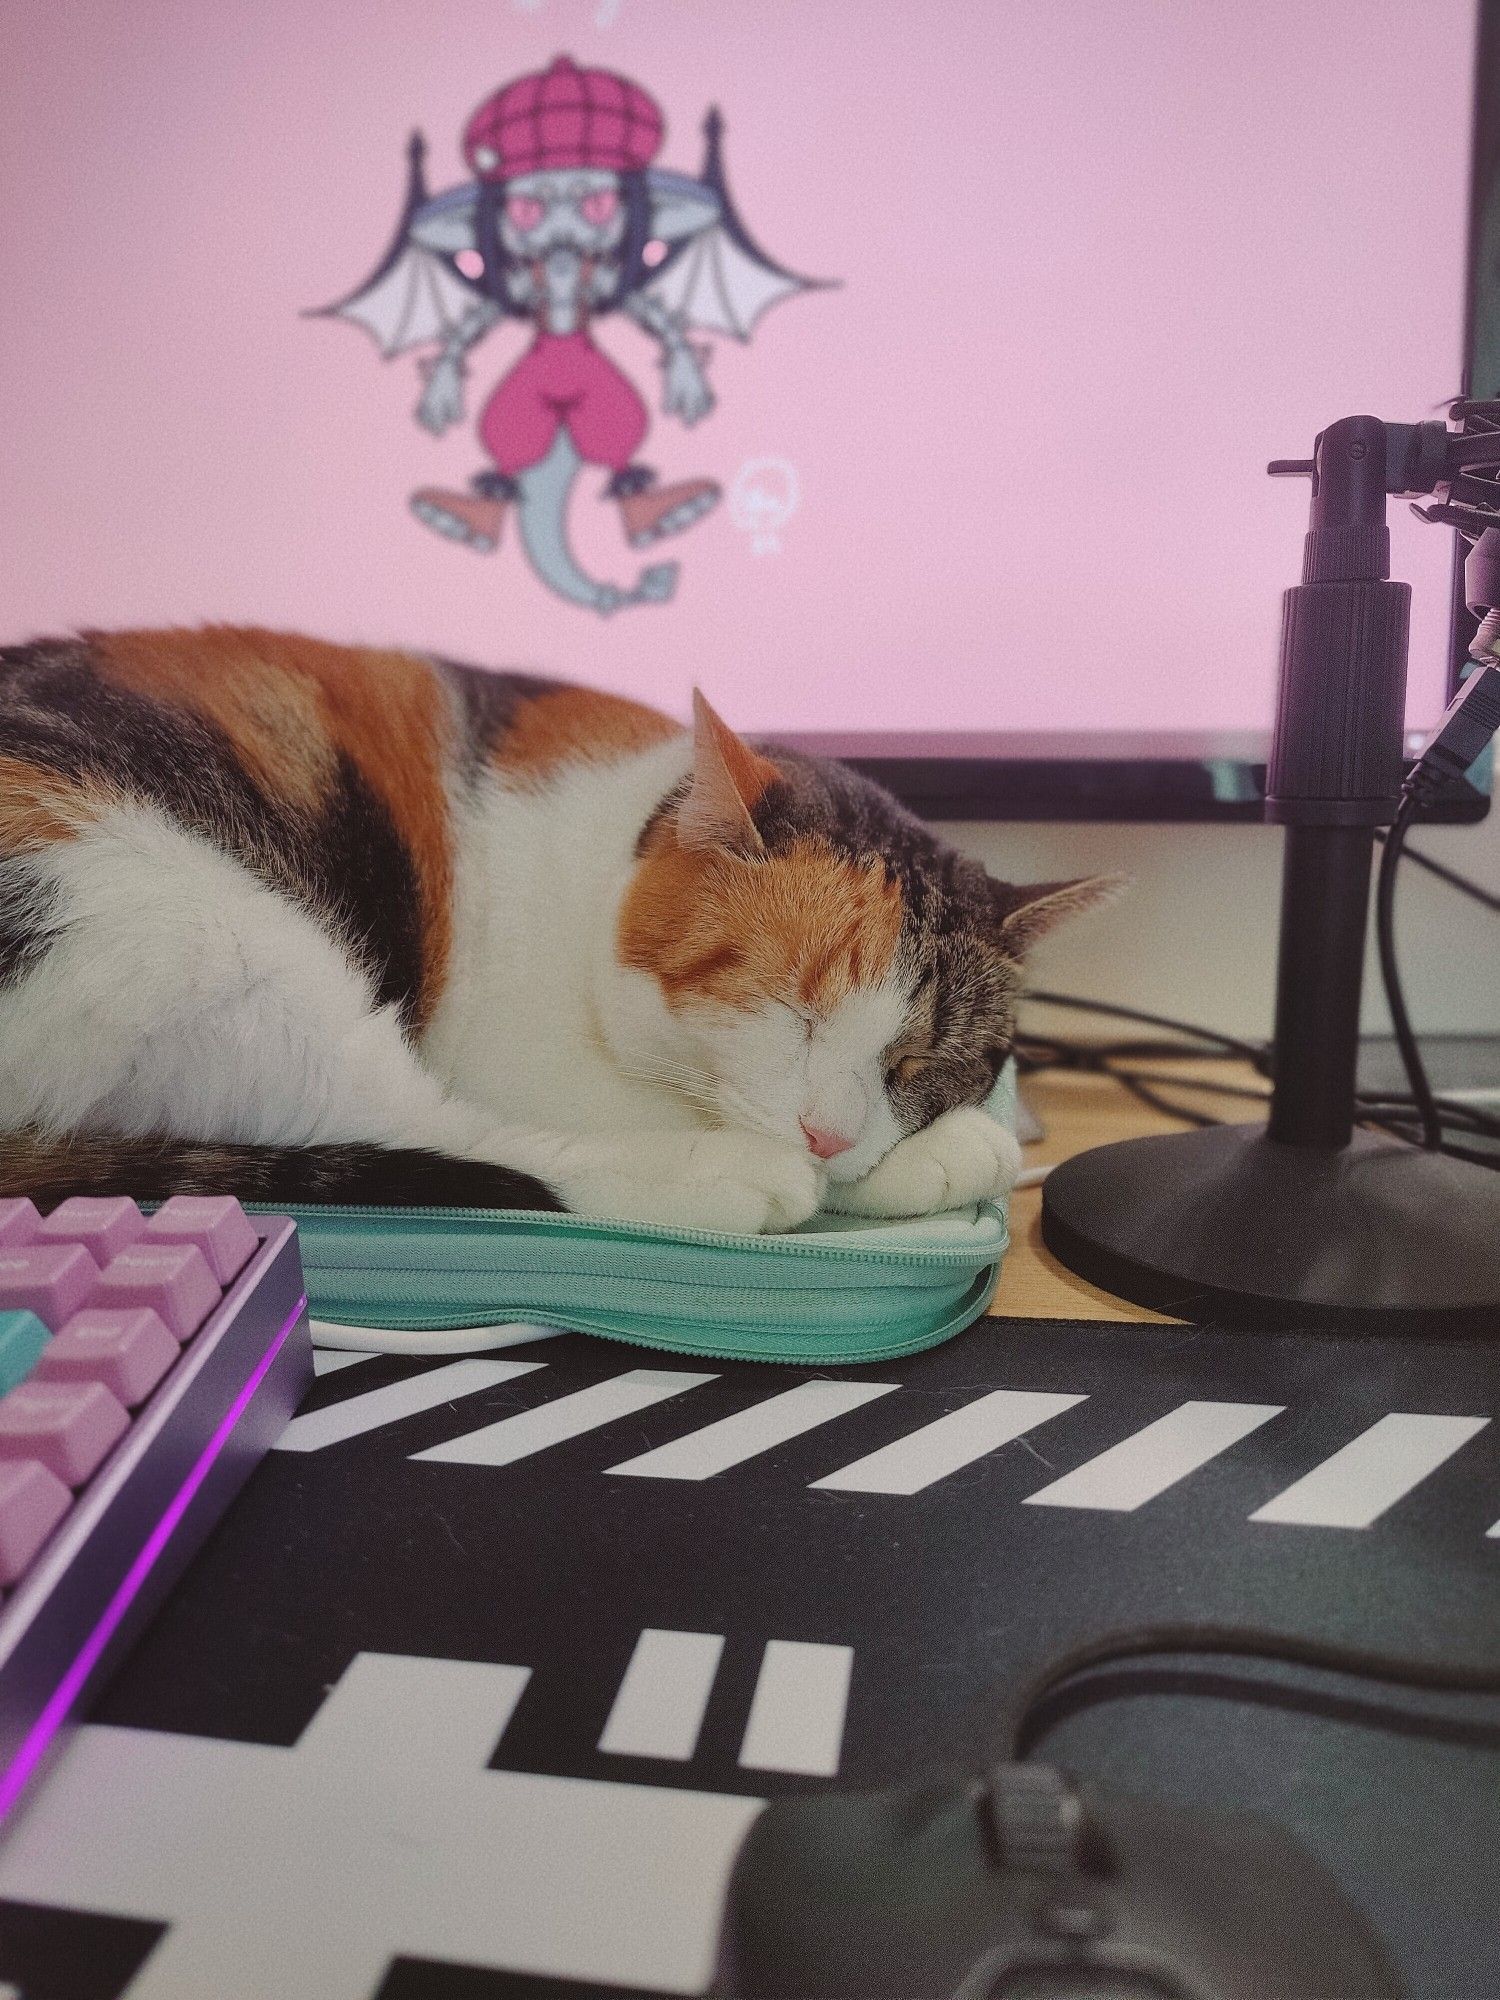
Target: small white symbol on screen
pixel 762 500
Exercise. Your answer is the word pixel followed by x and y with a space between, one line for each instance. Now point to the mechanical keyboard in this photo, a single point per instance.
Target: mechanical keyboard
pixel 146 1365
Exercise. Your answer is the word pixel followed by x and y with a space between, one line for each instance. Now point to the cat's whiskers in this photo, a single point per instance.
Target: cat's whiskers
pixel 657 1069
pixel 693 1084
pixel 744 1113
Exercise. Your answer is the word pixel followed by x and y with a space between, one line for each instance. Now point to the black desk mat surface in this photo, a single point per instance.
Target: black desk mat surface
pixel 384 1740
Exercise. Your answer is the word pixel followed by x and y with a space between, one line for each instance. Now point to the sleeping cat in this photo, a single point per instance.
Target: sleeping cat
pixel 307 923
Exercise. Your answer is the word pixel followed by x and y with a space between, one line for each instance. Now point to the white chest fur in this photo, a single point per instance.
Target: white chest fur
pixel 523 1025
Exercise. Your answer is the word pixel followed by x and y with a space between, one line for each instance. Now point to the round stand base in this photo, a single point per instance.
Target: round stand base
pixel 1227 1225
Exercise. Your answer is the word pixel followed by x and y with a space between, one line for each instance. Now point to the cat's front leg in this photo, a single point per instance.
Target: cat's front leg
pixel 737 1182
pixel 958 1159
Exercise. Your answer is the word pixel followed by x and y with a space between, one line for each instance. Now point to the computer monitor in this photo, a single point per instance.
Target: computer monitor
pixel 1004 307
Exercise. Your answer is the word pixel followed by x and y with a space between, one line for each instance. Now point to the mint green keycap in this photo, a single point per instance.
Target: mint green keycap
pixel 22 1338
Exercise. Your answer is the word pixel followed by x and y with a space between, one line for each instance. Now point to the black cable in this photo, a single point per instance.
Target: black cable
pixel 1468 1117
pixel 1143 1092
pixel 1385 937
pixel 1035 1053
pixel 1400 1115
pixel 1410 1131
pixel 1251 1687
pixel 1064 1054
pixel 1451 876
pixel 1250 1052
pixel 1468 726
pixel 1205 1085
pixel 1017 1737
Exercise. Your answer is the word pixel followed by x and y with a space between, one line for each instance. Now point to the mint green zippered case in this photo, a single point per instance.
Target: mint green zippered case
pixel 839 1290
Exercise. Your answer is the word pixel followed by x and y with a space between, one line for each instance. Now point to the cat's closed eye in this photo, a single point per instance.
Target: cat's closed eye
pixel 908 1068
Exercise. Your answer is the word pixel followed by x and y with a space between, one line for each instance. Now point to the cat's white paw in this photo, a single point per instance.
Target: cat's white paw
pixel 958 1159
pixel 738 1182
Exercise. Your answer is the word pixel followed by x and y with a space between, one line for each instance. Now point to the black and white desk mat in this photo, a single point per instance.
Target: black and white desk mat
pixel 475 1691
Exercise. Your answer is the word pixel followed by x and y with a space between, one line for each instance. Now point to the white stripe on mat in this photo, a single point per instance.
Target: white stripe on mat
pixel 797 1713
pixel 368 1412
pixel 1372 1472
pixel 747 1433
pixel 659 1709
pixel 530 1431
pixel 948 1443
pixel 1148 1462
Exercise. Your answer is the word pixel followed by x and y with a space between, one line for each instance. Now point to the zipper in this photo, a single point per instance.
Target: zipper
pixel 529 1222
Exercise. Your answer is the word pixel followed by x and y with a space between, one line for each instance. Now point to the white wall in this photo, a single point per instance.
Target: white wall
pixel 1196 936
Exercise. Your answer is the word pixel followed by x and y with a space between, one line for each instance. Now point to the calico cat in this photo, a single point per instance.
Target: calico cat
pixel 307 923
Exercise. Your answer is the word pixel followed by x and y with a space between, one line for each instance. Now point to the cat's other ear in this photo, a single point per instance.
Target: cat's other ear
pixel 728 779
pixel 1027 911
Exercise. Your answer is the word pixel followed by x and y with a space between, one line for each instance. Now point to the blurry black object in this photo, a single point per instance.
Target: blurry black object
pixel 1305 1222
pixel 1027 1886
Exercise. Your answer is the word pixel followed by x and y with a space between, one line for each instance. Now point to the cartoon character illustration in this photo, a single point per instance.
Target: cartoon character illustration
pixel 567 219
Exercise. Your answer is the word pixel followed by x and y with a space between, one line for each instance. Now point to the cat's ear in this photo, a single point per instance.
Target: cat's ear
pixel 728 778
pixel 1027 911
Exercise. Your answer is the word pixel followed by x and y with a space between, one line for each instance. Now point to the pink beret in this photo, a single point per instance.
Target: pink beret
pixel 564 117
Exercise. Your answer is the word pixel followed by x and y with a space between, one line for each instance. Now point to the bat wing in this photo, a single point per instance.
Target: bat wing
pixel 715 284
pixel 715 276
pixel 417 294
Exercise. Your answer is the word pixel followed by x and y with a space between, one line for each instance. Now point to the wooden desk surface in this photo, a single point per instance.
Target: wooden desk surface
pixel 1078 1111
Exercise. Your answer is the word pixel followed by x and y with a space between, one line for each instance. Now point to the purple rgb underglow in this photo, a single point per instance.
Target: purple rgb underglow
pixel 68 1689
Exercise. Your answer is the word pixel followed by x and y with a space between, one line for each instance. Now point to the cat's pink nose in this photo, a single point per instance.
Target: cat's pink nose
pixel 826 1145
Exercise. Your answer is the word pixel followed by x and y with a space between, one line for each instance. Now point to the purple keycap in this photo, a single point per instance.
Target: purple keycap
pixel 215 1222
pixel 129 1352
pixel 172 1279
pixel 18 1221
pixel 69 1426
pixel 103 1224
pixel 50 1279
pixel 32 1502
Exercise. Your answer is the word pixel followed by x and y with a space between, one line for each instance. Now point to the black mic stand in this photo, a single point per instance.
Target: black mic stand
pixel 1306 1221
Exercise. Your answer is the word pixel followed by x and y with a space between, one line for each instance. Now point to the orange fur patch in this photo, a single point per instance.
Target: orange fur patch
pixel 290 705
pixel 237 680
pixel 38 808
pixel 806 927
pixel 576 725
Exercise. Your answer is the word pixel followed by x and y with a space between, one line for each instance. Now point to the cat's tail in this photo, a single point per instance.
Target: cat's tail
pixel 50 1168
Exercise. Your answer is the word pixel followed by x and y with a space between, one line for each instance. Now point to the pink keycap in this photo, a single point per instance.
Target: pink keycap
pixel 103 1224
pixel 32 1502
pixel 172 1279
pixel 50 1279
pixel 69 1426
pixel 215 1222
pixel 18 1221
pixel 129 1352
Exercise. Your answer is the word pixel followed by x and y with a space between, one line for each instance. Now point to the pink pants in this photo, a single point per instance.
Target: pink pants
pixel 563 379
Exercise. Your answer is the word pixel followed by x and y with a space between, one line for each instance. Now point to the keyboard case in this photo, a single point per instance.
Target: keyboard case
pixel 137 1523
pixel 840 1290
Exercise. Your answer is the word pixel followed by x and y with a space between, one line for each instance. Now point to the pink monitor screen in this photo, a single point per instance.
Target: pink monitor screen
pixel 1088 265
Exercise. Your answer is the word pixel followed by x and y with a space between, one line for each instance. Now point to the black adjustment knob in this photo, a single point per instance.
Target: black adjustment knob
pixel 1336 753
pixel 1035 1819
